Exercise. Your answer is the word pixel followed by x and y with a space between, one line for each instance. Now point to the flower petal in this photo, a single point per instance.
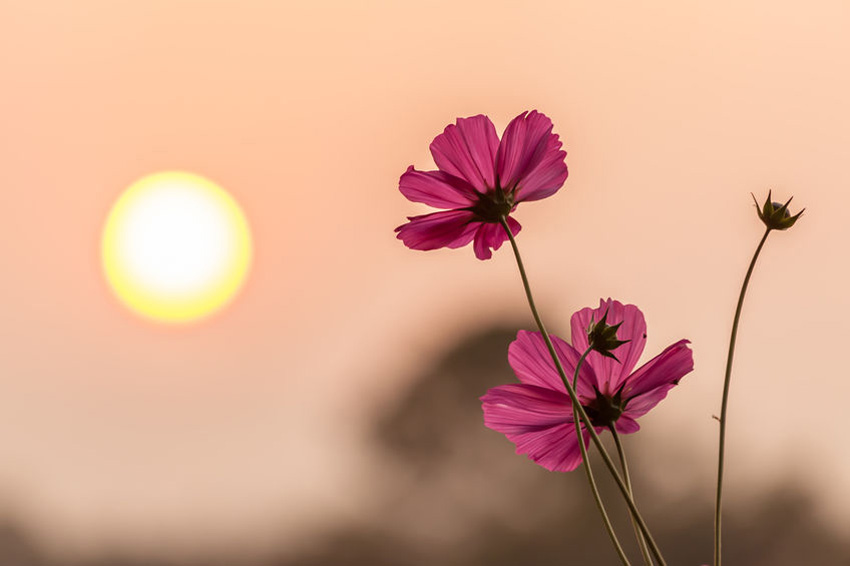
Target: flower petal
pixel 530 359
pixel 518 408
pixel 491 236
pixel 468 150
pixel 530 157
pixel 626 425
pixel 610 373
pixel 538 421
pixel 446 229
pixel 555 448
pixel 646 387
pixel 436 189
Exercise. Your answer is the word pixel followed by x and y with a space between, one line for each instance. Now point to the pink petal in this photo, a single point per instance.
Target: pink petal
pixel 626 425
pixel 519 408
pixel 446 229
pixel 610 374
pixel 468 150
pixel 491 236
pixel 646 387
pixel 436 189
pixel 530 359
pixel 555 448
pixel 530 157
pixel 538 421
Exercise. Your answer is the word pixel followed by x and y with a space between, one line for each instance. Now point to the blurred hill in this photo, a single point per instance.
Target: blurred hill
pixel 456 495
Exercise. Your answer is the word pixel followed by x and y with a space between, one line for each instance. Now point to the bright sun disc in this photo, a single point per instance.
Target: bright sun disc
pixel 176 247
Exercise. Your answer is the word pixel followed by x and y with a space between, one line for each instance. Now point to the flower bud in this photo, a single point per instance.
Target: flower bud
pixel 602 337
pixel 775 215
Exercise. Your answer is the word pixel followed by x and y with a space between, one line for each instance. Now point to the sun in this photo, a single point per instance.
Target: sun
pixel 176 247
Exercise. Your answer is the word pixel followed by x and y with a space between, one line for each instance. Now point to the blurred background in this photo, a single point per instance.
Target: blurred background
pixel 330 414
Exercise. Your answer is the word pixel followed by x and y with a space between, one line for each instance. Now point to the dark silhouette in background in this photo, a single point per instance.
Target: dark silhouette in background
pixel 456 495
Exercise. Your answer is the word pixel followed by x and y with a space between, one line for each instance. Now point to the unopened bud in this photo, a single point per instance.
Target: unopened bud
pixel 775 215
pixel 602 337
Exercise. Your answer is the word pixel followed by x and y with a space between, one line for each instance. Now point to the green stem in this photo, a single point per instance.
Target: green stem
pixel 622 453
pixel 577 405
pixel 720 458
pixel 589 472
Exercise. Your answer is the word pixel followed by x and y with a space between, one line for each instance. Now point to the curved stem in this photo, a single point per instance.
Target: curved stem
pixel 720 457
pixel 622 453
pixel 589 472
pixel 577 405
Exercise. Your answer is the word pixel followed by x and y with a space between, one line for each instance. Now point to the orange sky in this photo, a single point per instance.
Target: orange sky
pixel 113 428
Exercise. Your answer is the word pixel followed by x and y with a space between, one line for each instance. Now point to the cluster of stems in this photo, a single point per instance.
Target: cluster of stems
pixel 648 547
pixel 584 419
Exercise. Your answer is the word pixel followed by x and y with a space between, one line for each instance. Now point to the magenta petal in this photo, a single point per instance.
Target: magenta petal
pixel 436 189
pixel 491 236
pixel 626 425
pixel 555 448
pixel 468 150
pixel 446 229
pixel 530 157
pixel 519 408
pixel 610 374
pixel 530 359
pixel 538 421
pixel 646 387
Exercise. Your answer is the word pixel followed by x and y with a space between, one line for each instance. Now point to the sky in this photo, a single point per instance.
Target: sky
pixel 250 426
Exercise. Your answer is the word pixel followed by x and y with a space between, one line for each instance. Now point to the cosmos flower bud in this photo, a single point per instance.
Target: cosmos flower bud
pixel 775 215
pixel 602 337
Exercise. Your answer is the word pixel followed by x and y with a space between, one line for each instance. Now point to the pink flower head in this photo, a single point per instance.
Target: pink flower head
pixel 481 179
pixel 536 414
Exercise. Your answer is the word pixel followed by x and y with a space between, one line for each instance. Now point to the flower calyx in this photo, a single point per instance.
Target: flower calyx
pixel 602 337
pixel 604 410
pixel 775 215
pixel 494 205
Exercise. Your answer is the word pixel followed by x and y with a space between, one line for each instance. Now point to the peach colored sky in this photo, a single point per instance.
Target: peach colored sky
pixel 115 429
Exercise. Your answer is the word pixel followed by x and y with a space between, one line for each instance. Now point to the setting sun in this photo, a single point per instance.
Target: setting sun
pixel 176 247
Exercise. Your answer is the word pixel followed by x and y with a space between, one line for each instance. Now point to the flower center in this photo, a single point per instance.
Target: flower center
pixel 603 410
pixel 493 205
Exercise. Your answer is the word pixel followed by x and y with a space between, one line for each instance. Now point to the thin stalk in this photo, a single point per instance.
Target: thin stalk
pixel 577 405
pixel 589 473
pixel 727 379
pixel 622 453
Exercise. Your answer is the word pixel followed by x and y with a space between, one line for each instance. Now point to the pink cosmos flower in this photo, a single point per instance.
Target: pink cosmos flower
pixel 536 414
pixel 481 179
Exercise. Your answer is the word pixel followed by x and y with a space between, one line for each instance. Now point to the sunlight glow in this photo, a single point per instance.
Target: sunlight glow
pixel 176 247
